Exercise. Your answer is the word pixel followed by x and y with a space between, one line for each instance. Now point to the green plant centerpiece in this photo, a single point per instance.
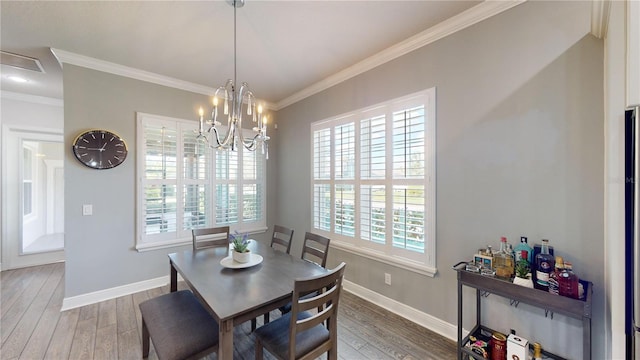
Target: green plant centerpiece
pixel 240 244
pixel 523 273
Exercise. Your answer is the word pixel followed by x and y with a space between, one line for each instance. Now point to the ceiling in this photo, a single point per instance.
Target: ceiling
pixel 284 48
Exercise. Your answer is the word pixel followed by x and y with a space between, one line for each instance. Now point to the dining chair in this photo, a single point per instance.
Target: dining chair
pixel 315 248
pixel 304 334
pixel 179 326
pixel 282 238
pixel 210 237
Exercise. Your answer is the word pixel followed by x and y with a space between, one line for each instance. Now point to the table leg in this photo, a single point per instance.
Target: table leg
pixel 225 347
pixel 174 280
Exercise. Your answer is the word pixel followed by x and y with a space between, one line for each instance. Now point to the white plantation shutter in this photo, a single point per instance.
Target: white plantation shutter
pixel 227 196
pixel 322 207
pixel 372 148
pixel 240 188
pixel 184 184
pixel 196 167
pixel 373 167
pixel 408 144
pixel 345 151
pixel 321 202
pixel 408 217
pixel 226 204
pixel 345 213
pixel 373 181
pixel 252 199
pixel 160 185
pixel 322 154
pixel 373 213
pixel 409 130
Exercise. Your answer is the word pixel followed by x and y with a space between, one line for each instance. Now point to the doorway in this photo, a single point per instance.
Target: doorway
pixel 33 198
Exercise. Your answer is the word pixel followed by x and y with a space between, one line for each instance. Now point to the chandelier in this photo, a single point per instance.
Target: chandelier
pixel 235 102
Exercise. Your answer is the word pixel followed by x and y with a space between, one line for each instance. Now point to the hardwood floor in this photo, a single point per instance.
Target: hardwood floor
pixel 32 326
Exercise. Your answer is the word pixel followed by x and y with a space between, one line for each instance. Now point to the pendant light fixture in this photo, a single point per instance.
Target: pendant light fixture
pixel 232 102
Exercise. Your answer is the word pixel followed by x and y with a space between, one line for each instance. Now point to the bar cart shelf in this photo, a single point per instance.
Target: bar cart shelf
pixel 579 309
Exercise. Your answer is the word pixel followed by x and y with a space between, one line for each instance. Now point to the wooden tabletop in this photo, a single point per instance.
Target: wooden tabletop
pixel 242 294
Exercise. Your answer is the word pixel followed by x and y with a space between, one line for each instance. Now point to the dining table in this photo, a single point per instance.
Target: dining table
pixel 235 292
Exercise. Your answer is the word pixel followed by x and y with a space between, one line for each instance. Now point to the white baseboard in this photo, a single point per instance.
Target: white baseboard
pixel 423 319
pixel 107 294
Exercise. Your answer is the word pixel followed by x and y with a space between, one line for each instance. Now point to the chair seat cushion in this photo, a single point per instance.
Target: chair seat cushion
pixel 275 336
pixel 179 326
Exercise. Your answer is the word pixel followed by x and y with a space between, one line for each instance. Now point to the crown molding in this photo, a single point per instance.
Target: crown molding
pixel 66 57
pixel 600 10
pixel 42 100
pixel 474 15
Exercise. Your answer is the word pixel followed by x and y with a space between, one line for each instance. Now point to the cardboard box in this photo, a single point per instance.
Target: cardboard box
pixel 517 348
pixel 483 261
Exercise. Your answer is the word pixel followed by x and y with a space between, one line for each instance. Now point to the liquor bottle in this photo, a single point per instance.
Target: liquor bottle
pixel 545 264
pixel 503 260
pixel 536 250
pixel 568 282
pixel 553 277
pixel 523 246
pixel 537 351
pixel 489 252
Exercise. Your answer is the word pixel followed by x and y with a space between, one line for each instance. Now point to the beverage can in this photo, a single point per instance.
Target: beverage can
pixel 498 346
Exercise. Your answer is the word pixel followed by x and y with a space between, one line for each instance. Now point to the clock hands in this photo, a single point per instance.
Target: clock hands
pixel 101 149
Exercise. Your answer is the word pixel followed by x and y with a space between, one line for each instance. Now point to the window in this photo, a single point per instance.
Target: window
pixel 183 184
pixel 373 181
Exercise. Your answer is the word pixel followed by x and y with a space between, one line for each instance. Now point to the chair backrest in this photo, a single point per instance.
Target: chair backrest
pixel 282 236
pixel 210 237
pixel 315 248
pixel 324 306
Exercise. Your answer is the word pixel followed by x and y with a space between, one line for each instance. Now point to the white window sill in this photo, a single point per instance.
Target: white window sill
pixel 162 245
pixel 396 261
pixel 157 245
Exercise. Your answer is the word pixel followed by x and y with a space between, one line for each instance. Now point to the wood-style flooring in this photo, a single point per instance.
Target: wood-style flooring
pixel 32 326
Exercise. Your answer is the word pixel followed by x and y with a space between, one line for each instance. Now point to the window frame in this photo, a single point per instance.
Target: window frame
pixel 423 263
pixel 182 236
pixel 32 167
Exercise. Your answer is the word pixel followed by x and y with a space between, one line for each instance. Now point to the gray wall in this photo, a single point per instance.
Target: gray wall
pixel 100 248
pixel 519 152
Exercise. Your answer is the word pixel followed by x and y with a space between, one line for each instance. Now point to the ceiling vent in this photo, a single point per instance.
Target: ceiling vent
pixel 20 62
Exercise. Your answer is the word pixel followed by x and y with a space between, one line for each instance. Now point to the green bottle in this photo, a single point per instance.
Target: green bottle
pixel 523 246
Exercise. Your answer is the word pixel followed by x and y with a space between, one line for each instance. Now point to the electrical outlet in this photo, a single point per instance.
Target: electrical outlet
pixel 387 278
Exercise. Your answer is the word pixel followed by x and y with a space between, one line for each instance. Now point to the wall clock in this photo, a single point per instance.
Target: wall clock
pixel 100 149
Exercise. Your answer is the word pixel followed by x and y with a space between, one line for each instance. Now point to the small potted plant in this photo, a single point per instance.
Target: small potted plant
pixel 523 275
pixel 240 252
